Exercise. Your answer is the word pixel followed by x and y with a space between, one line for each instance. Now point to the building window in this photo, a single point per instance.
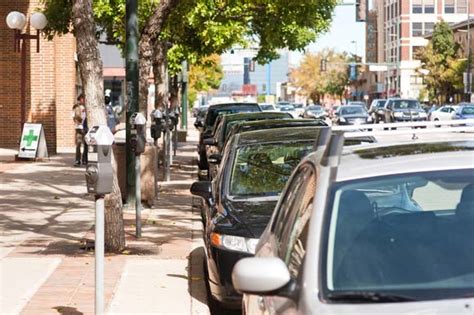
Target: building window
pixel 449 6
pixel 417 29
pixel 461 6
pixel 428 28
pixel 429 6
pixel 417 6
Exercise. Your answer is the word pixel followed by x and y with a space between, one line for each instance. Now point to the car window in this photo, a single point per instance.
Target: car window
pixel 352 110
pixel 468 110
pixel 264 169
pixel 393 248
pixel 405 104
pixel 293 237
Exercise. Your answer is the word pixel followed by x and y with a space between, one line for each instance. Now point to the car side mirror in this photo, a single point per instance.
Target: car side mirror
pixel 209 141
pixel 198 124
pixel 250 275
pixel 215 158
pixel 202 189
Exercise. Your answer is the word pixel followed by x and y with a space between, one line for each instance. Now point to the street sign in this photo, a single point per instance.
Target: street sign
pixel 33 142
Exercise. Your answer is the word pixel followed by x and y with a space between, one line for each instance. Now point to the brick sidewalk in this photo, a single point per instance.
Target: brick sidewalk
pixel 160 273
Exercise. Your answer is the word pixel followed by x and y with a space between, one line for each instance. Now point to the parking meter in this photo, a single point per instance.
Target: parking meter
pixel 138 133
pixel 99 172
pixel 157 124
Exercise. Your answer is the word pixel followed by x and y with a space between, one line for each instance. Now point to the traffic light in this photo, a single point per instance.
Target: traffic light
pixel 362 10
pixel 324 65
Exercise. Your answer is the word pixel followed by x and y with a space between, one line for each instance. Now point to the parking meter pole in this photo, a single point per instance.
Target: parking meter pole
pixel 167 154
pixel 138 199
pixel 99 254
pixel 175 140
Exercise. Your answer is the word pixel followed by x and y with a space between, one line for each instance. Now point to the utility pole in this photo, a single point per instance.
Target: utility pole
pixel 469 83
pixel 132 91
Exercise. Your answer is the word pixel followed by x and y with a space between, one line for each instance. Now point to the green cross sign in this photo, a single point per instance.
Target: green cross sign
pixel 30 138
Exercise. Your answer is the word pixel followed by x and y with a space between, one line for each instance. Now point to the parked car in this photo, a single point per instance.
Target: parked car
pixel 288 108
pixel 352 115
pixel 359 103
pixel 464 111
pixel 314 111
pixel 397 110
pixel 238 204
pixel 377 110
pixel 212 113
pixel 446 112
pixel 265 107
pixel 215 143
pixel 200 117
pixel 353 234
pixel 299 109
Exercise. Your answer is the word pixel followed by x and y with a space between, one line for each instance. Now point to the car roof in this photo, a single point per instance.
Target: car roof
pixel 309 133
pixel 255 115
pixel 227 105
pixel 391 159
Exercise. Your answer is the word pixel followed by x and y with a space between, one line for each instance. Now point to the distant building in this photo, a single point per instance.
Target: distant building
pixel 237 62
pixel 401 27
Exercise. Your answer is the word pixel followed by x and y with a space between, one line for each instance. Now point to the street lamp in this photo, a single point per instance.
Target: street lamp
pixel 17 21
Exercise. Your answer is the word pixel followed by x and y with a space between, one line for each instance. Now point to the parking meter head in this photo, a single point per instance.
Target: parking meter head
pixel 137 119
pixel 99 135
pixel 157 114
pixel 137 133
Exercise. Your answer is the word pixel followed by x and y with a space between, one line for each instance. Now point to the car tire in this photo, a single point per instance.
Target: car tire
pixel 437 126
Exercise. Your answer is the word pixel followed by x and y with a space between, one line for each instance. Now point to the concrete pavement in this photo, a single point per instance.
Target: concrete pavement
pixel 45 218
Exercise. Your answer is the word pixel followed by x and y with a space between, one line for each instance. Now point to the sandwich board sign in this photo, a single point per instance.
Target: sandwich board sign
pixel 33 142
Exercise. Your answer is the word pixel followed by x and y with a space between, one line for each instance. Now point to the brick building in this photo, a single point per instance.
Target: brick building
pixel 401 27
pixel 50 82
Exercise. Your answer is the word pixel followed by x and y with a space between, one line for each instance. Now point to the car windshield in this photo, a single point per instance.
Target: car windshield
pixel 404 104
pixel 286 107
pixel 298 105
pixel 380 104
pixel 263 169
pixel 352 110
pixel 468 110
pixel 315 108
pixel 410 235
pixel 266 106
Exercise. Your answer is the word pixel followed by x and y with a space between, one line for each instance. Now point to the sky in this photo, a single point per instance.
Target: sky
pixel 344 29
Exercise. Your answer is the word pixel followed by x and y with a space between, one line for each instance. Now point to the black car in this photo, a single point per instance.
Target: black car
pixel 377 110
pixel 352 115
pixel 314 111
pixel 215 143
pixel 397 110
pixel 212 113
pixel 200 117
pixel 239 203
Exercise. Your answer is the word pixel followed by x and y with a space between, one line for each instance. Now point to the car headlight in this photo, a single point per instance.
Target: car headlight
pixel 369 119
pixel 232 242
pixel 398 114
pixel 342 119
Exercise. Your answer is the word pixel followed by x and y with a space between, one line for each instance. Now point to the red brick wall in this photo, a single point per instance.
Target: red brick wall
pixel 50 83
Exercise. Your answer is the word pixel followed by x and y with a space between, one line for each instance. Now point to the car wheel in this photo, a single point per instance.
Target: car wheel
pixel 437 126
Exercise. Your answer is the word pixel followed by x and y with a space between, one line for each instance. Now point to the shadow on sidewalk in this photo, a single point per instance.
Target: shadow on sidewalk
pixel 65 310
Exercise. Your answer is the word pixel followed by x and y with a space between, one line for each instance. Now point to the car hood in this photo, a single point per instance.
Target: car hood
pixel 251 217
pixel 363 116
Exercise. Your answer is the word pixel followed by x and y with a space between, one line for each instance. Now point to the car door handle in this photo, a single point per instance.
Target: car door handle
pixel 261 303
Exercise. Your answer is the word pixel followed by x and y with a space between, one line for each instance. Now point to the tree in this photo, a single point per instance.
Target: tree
pixel 79 19
pixel 440 66
pixel 315 83
pixel 204 76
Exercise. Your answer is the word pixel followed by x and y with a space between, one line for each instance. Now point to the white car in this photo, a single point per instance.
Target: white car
pixel 446 112
pixel 380 229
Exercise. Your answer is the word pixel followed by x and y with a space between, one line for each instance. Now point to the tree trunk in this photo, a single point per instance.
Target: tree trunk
pixel 160 75
pixel 148 41
pixel 174 93
pixel 90 68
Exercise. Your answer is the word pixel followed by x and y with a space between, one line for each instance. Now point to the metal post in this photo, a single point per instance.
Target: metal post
pixel 138 199
pixel 184 96
pixel 99 255
pixel 269 78
pixel 132 90
pixel 23 85
pixel 175 140
pixel 167 152
pixel 469 87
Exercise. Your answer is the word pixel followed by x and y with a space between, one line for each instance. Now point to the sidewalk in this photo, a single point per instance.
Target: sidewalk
pixel 45 216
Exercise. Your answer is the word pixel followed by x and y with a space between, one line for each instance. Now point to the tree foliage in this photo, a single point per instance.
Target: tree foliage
pixel 313 82
pixel 204 76
pixel 440 64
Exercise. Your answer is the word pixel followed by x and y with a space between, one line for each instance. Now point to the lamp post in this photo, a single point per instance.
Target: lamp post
pixel 17 21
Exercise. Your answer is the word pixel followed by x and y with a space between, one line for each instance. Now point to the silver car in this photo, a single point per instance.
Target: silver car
pixel 380 229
